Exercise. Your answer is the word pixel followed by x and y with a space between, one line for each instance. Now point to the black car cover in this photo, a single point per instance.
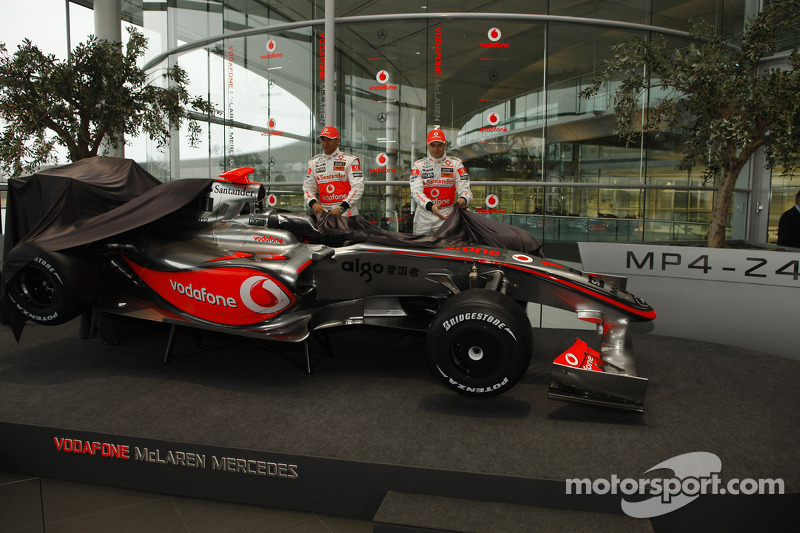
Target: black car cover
pixel 462 228
pixel 78 204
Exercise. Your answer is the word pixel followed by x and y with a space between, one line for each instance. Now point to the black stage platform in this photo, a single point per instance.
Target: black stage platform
pixel 371 431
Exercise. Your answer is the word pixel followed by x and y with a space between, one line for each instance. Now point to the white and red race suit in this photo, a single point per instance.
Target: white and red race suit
pixel 334 180
pixel 439 181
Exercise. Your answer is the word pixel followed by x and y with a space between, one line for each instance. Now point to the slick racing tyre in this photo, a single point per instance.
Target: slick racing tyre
pixel 55 287
pixel 480 342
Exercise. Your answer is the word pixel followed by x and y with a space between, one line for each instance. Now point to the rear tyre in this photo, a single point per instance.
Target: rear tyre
pixel 479 343
pixel 55 287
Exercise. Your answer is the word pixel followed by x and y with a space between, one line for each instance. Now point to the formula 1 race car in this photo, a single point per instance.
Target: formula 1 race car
pixel 282 276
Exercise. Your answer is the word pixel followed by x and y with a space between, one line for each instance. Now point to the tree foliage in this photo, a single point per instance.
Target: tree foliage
pixel 98 92
pixel 720 97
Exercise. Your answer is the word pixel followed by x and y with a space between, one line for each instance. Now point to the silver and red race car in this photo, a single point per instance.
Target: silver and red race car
pixel 277 275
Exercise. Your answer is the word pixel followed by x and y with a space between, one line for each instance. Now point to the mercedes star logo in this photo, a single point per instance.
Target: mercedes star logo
pixel 383 34
pixel 494 75
pixel 381 117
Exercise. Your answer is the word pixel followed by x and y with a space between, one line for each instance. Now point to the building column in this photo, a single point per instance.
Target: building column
pixel 108 26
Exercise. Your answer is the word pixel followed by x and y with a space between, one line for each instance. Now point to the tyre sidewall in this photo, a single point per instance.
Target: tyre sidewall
pixel 75 282
pixel 492 322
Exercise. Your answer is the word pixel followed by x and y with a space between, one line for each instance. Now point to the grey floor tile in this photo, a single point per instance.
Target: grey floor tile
pixel 20 505
pixel 205 516
pixel 346 525
pixel 64 500
pixel 147 517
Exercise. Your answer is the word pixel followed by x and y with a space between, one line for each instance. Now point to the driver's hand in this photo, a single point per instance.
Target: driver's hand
pixel 336 211
pixel 435 211
pixel 462 203
pixel 318 209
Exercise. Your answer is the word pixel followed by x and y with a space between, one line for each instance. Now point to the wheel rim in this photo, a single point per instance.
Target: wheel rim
pixel 477 354
pixel 37 287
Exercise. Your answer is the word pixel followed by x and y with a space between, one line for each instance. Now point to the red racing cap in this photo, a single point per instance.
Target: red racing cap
pixel 328 131
pixel 435 136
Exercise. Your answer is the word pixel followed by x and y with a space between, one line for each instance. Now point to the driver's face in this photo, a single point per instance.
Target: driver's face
pixel 329 145
pixel 436 149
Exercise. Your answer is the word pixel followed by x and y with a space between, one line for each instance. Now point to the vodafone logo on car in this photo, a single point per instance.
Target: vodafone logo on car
pixel 236 296
pixel 272 200
pixel 262 295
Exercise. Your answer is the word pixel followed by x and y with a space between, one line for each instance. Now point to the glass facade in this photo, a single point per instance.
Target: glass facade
pixel 505 90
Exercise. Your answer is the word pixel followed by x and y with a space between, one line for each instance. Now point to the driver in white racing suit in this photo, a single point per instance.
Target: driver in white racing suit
pixel 334 181
pixel 438 184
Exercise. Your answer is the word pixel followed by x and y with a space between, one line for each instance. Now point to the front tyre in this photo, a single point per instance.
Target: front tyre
pixel 480 342
pixel 55 287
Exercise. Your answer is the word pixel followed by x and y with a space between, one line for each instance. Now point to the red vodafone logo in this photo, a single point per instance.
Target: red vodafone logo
pixel 494 34
pixel 330 188
pixel 493 119
pixel 381 159
pixel 492 201
pixel 522 258
pixel 271 45
pixel 272 200
pixel 434 193
pixel 382 76
pixel 271 124
pixel 262 295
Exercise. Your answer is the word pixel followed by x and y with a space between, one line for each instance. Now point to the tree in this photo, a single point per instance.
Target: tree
pixel 98 92
pixel 718 96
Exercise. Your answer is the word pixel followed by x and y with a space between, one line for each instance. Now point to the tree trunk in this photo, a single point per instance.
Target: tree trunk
pixel 722 202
